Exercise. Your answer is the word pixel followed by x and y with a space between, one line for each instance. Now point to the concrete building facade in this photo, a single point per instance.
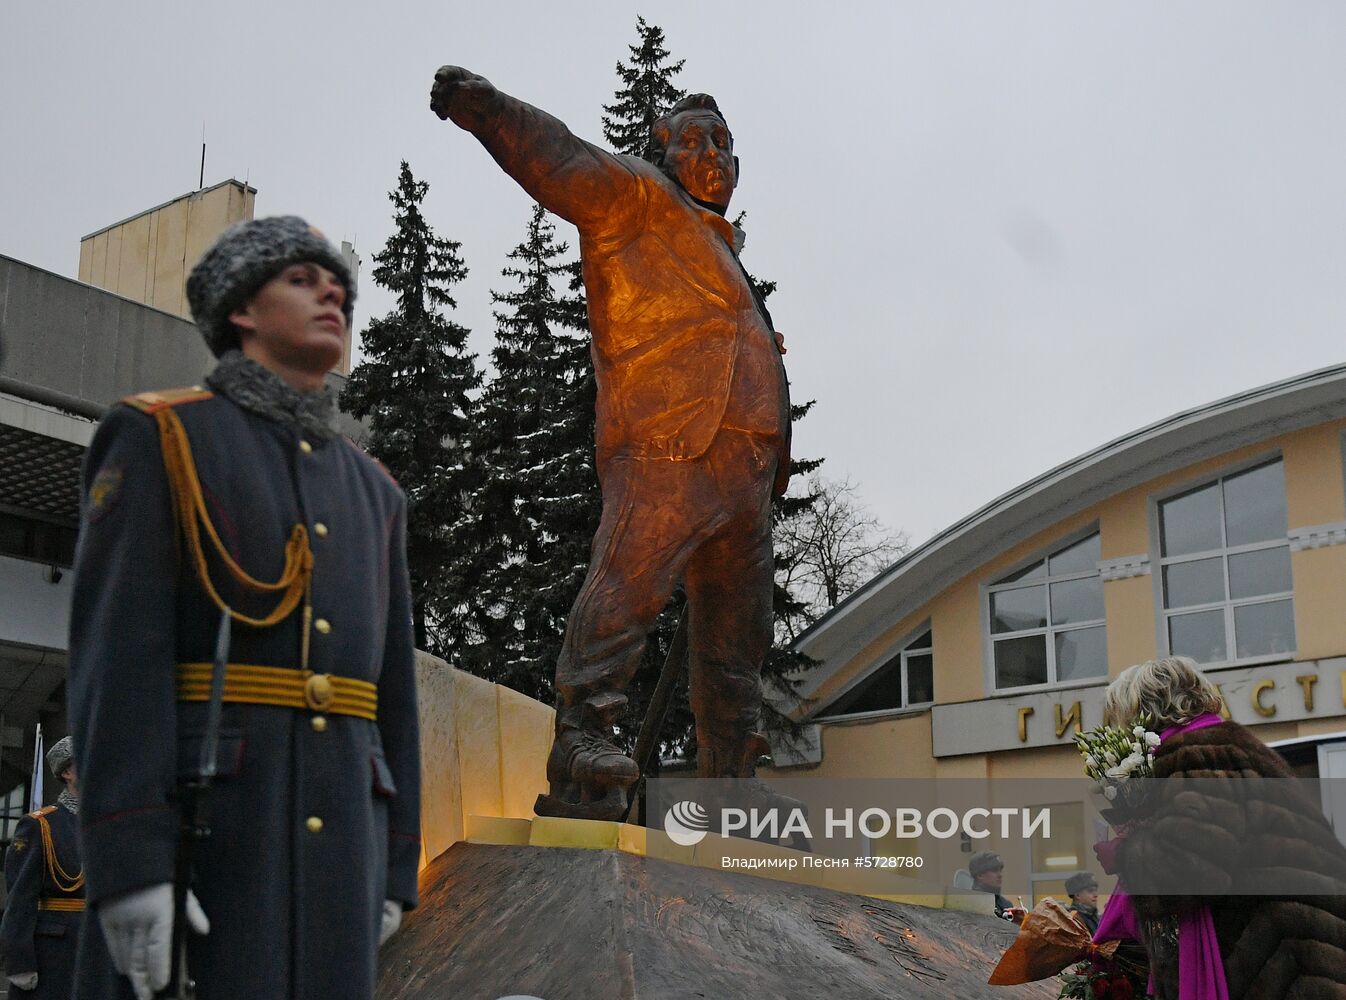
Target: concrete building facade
pixel 147 257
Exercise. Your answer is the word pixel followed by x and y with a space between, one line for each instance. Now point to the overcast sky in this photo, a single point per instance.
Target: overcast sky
pixel 1004 233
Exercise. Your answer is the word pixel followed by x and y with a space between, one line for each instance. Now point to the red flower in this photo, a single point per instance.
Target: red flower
pixel 1122 989
pixel 1100 988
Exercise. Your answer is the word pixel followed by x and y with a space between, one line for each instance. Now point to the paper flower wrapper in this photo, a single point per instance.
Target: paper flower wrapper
pixel 1050 940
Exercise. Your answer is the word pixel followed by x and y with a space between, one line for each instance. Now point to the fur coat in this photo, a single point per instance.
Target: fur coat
pixel 1260 852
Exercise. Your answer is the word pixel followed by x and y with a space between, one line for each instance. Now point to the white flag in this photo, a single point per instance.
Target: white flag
pixel 38 770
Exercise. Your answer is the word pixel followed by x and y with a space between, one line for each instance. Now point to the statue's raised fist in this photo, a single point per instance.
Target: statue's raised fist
pixel 457 92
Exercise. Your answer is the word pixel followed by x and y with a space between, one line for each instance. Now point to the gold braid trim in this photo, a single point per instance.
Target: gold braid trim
pixel 189 510
pixel 63 879
pixel 61 905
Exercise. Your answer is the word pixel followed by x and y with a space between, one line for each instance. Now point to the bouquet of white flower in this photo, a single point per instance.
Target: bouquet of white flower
pixel 1115 758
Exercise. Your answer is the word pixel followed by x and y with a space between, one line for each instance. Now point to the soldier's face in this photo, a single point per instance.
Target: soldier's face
pixel 295 322
pixel 700 157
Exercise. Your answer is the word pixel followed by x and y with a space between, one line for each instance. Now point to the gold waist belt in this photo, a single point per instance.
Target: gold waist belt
pixel 282 686
pixel 61 905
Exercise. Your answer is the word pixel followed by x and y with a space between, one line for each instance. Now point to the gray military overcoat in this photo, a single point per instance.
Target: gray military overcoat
pixel 314 818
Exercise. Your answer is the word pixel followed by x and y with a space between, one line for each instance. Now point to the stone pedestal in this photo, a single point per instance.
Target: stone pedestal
pixel 573 924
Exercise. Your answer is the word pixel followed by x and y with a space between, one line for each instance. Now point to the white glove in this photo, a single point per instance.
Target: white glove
pixel 138 926
pixel 392 919
pixel 24 981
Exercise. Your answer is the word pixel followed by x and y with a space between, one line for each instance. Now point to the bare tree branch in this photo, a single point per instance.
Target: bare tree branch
pixel 828 552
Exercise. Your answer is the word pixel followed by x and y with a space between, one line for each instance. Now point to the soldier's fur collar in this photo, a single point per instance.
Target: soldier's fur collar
pixel 68 799
pixel 261 391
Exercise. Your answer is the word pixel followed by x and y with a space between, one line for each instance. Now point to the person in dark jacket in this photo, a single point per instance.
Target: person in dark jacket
pixel 1082 888
pixel 238 502
pixel 692 429
pixel 1235 875
pixel 45 879
pixel 987 869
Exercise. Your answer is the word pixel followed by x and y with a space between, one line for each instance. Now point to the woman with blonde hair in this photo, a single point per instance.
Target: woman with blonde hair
pixel 1239 886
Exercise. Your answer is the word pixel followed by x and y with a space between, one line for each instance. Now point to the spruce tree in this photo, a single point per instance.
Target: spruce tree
pixel 787 605
pixel 415 387
pixel 537 504
pixel 647 92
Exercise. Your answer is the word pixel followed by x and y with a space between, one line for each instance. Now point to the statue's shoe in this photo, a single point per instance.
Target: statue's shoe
pixel 589 777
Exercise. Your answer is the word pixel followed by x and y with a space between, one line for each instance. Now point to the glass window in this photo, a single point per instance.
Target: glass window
pixel 1079 651
pixel 1054 858
pixel 1082 557
pixel 1191 522
pixel 38 541
pixel 891 845
pixel 920 679
pixel 1187 584
pixel 1021 661
pixel 1200 635
pixel 1014 610
pixel 1076 601
pixel 1254 505
pixel 1264 629
pixel 905 681
pixel 1047 619
pixel 880 691
pixel 1225 555
pixel 13 807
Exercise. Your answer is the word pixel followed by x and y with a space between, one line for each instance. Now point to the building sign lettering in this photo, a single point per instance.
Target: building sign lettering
pixel 1252 696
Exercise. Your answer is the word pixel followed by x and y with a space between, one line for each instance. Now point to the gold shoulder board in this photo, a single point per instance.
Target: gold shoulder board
pixel 152 402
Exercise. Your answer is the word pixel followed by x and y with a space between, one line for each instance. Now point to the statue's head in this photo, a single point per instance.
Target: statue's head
pixel 692 144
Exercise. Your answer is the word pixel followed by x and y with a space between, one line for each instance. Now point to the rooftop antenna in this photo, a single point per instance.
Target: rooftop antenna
pixel 201 183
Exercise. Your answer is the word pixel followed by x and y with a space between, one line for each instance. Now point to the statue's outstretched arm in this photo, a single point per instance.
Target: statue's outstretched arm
pixel 564 174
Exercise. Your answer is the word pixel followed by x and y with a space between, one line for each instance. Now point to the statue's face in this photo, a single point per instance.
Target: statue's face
pixel 700 157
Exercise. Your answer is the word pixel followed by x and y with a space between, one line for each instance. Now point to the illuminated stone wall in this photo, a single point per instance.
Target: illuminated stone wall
pixel 483 752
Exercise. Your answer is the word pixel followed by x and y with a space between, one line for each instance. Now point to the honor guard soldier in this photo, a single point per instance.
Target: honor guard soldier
pixel 45 909
pixel 1082 888
pixel 988 875
pixel 230 534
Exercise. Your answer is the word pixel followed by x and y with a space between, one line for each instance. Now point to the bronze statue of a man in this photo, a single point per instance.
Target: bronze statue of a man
pixel 693 428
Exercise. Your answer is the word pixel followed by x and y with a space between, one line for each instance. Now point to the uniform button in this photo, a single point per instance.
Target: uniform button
pixel 305 447
pixel 323 625
pixel 314 824
pixel 319 723
pixel 320 529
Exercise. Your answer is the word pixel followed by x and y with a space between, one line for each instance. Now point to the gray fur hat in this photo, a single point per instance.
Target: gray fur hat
pixel 984 861
pixel 60 756
pixel 245 257
pixel 1079 881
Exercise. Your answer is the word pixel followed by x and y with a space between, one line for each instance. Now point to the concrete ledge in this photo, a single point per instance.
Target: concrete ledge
pixel 554 831
pixel 499 830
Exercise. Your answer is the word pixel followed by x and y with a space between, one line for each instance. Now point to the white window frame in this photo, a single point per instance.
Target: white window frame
pixel 903 651
pixel 1049 631
pixel 1160 561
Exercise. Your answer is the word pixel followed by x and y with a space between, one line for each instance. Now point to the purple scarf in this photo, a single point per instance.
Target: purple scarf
pixel 1200 967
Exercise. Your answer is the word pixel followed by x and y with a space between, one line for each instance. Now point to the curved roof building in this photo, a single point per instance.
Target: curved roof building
pixel 1217 533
